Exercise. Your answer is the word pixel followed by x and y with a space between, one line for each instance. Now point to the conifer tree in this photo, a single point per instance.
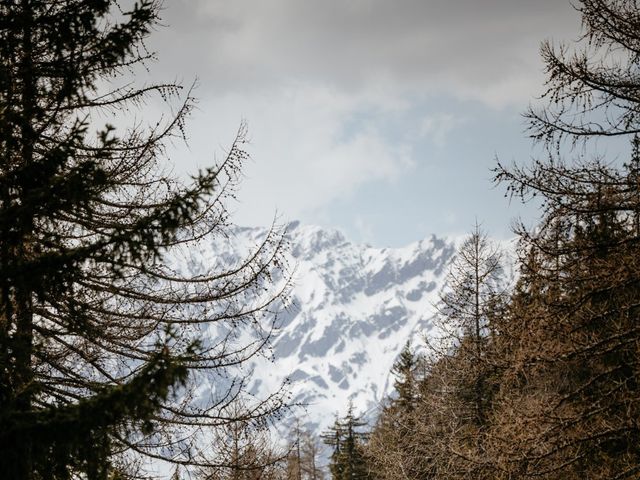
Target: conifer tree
pixel 303 460
pixel 334 438
pixel 348 460
pixel 475 290
pixel 310 454
pixel 294 459
pixel 569 403
pixel 457 389
pixel 245 450
pixel 96 328
pixel 406 382
pixel 395 448
pixel 474 284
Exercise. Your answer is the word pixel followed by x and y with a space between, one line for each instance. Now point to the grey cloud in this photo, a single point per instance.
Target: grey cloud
pixel 413 44
pixel 325 83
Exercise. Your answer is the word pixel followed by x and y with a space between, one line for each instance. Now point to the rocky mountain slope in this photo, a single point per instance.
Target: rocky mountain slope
pixel 354 308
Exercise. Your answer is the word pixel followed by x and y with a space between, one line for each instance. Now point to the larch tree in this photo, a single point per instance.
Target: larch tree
pixel 310 455
pixel 474 292
pixel 96 328
pixel 245 450
pixel 473 286
pixel 303 460
pixel 569 403
pixel 458 386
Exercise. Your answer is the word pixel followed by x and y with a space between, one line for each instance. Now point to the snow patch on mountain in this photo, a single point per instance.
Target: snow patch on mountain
pixel 354 308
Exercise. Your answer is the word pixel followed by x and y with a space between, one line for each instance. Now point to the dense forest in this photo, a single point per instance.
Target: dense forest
pixel 541 380
pixel 101 341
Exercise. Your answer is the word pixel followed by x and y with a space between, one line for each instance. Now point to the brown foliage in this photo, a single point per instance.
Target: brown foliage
pixel 560 364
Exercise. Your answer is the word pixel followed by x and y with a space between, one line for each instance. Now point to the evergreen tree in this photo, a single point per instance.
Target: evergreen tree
pixel 405 384
pixel 395 448
pixel 96 329
pixel 348 461
pixel 333 437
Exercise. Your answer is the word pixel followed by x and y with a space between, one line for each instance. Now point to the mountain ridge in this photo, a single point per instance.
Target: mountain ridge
pixel 353 308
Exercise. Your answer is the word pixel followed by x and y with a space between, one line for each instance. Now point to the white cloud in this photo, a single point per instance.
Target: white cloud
pixel 308 149
pixel 364 229
pixel 437 127
pixel 320 81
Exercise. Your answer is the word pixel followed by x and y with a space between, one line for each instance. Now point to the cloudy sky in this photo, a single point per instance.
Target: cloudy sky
pixel 382 118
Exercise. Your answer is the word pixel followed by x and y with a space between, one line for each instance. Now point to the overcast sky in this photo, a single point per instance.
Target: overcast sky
pixel 382 118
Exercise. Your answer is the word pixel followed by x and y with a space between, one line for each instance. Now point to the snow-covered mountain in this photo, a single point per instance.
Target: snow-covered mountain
pixel 354 308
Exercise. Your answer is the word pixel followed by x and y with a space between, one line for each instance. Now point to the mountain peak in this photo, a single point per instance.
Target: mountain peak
pixel 354 308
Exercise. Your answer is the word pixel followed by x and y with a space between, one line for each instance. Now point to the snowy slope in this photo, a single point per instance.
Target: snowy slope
pixel 354 309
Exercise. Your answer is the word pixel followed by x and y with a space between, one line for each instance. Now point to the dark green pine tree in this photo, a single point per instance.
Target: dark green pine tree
pixel 95 328
pixel 334 438
pixel 405 384
pixel 396 447
pixel 348 460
